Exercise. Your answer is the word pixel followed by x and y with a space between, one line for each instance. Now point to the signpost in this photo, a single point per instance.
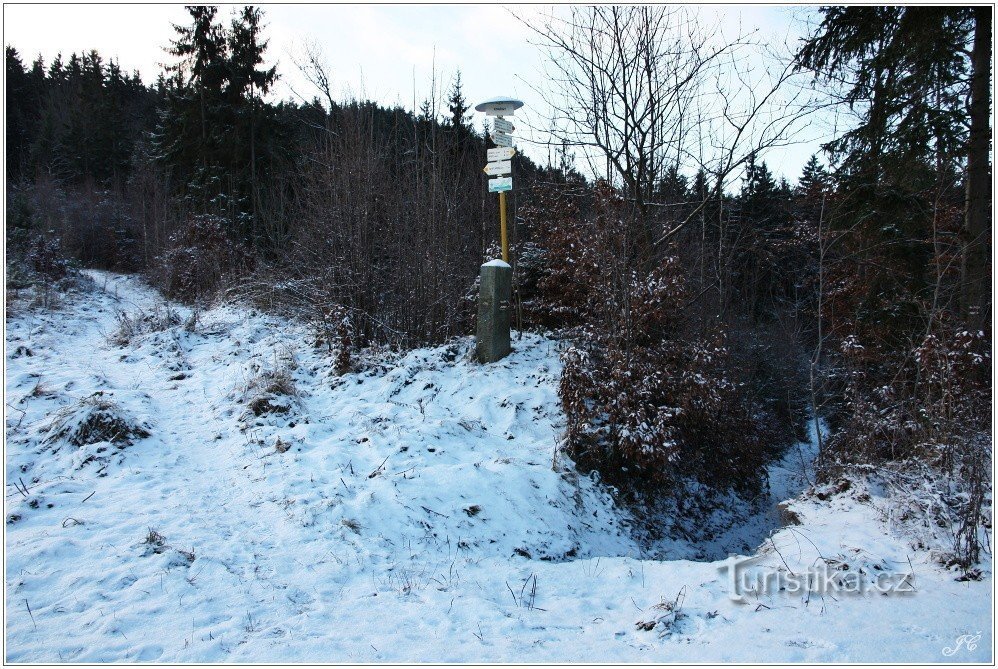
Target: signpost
pixel 492 341
pixel 500 154
pixel 498 167
pixel 499 157
pixel 501 185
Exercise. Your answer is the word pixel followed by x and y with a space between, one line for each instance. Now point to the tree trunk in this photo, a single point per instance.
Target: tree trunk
pixel 976 270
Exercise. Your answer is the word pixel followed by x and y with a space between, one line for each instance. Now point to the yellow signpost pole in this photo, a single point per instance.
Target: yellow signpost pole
pixel 502 227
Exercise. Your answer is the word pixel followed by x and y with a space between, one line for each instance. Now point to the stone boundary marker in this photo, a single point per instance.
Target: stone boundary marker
pixel 494 306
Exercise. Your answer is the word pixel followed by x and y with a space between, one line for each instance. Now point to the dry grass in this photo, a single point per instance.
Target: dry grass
pixel 155 541
pixel 155 544
pixel 95 419
pixel 132 326
pixel 273 389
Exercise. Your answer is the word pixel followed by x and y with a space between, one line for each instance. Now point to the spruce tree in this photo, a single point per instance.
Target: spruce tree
pixel 20 113
pixel 250 142
pixel 193 127
pixel 457 105
pixel 814 179
pixel 918 76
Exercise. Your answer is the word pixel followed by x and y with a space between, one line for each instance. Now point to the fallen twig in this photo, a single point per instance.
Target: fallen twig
pixel 31 614
pixel 380 467
pixel 429 510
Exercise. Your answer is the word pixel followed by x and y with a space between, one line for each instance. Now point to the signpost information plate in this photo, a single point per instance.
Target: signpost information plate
pixel 502 153
pixel 500 158
pixel 499 167
pixel 500 185
pixel 502 125
pixel 502 139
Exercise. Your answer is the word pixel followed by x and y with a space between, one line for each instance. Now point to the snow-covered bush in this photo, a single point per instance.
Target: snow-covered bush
pixel 334 330
pixel 271 390
pixel 95 419
pixel 924 408
pixel 654 415
pixel 649 401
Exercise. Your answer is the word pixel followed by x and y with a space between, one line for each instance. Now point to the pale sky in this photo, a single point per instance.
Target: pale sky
pixel 382 52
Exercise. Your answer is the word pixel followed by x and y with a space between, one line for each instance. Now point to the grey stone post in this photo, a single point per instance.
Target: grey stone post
pixel 494 307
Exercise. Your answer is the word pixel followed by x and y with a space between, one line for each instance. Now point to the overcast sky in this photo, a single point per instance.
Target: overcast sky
pixel 385 53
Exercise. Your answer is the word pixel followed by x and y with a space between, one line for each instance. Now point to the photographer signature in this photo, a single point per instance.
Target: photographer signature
pixel 968 640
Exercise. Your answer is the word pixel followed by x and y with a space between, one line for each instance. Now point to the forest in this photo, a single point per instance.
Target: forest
pixel 709 313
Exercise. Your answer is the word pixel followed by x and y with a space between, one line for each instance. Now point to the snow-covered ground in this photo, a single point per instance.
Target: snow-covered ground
pixel 413 511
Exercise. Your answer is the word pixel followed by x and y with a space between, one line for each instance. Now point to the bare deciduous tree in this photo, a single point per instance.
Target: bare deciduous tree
pixel 642 89
pixel 622 82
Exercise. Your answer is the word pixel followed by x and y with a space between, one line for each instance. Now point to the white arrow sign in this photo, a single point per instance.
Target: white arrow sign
pixel 502 139
pixel 502 153
pixel 502 125
pixel 501 184
pixel 500 167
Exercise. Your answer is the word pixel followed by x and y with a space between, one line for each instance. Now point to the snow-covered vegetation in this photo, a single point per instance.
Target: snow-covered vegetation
pixel 244 420
pixel 209 488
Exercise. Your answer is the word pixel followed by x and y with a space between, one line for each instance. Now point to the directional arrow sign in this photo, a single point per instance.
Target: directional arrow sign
pixel 501 153
pixel 502 125
pixel 502 139
pixel 501 184
pixel 497 168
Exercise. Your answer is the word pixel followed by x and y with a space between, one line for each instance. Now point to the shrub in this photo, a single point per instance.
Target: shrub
pixel 202 259
pixel 649 399
pixel 924 407
pixel 654 415
pixel 555 285
pixel 343 332
pixel 98 230
pixel 131 326
pixel 937 399
pixel 334 329
pixel 47 259
pixel 95 419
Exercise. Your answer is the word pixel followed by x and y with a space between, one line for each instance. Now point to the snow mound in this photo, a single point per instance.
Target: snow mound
pixel 94 419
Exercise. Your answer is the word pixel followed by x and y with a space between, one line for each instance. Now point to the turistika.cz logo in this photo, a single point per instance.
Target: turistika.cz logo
pixel 746 579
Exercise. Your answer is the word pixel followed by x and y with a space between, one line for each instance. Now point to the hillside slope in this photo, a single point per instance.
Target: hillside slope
pixel 209 490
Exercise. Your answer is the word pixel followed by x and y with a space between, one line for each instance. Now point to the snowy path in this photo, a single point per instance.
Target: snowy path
pixel 415 516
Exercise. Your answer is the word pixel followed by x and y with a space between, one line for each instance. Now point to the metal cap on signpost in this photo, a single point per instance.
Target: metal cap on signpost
pixel 494 303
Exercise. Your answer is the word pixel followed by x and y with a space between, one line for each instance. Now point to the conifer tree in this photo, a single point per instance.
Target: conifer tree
pixel 192 131
pixel 919 78
pixel 814 179
pixel 251 140
pixel 457 105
